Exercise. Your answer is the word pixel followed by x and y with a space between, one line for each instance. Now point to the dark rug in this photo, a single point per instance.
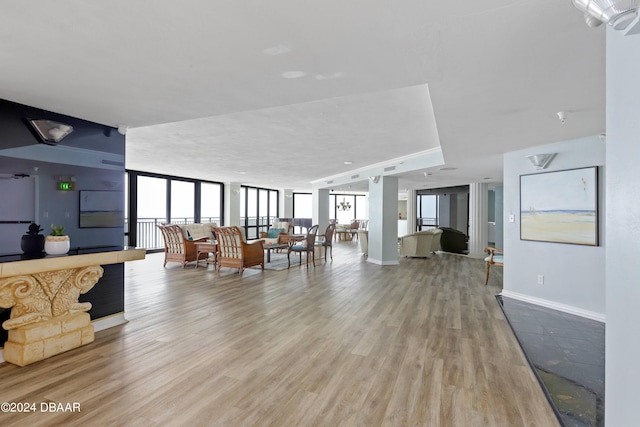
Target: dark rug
pixel 566 353
pixel 279 262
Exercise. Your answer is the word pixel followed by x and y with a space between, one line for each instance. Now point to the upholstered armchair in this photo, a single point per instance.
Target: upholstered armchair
pixel 275 233
pixel 234 252
pixel 178 247
pixel 421 243
pixel 453 240
pixel 363 237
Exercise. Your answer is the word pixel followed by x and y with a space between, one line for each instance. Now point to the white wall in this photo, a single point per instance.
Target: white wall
pixel 623 229
pixel 574 275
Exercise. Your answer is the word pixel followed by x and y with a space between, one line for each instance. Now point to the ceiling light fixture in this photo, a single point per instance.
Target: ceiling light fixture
pixel 603 137
pixel 348 162
pixel 48 131
pixel 562 116
pixel 344 206
pixel 617 13
pixel 293 74
pixel 541 161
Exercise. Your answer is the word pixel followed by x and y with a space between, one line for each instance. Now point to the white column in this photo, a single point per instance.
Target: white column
pixel 412 211
pixel 286 203
pixel 383 221
pixel 232 203
pixel 478 218
pixel 320 206
pixel 622 229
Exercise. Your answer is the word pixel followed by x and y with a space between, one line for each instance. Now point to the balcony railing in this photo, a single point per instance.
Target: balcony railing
pixel 149 235
pixel 427 223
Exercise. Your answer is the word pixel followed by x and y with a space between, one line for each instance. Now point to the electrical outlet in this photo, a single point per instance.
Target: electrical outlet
pixel 540 279
pixel 512 218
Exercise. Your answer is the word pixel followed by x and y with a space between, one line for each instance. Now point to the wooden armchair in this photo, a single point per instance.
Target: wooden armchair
pixel 177 247
pixel 495 258
pixel 234 252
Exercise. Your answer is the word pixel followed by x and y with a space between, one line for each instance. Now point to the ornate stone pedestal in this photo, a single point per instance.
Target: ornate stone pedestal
pixel 37 341
pixel 46 317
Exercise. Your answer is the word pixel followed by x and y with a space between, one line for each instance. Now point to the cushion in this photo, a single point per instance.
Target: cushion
pixel 273 232
pixel 496 258
pixel 299 248
pixel 281 224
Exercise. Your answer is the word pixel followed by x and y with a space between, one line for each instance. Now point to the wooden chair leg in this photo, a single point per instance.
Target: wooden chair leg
pixel 486 280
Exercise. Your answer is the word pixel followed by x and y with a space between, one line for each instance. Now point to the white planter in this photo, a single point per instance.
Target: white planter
pixel 57 245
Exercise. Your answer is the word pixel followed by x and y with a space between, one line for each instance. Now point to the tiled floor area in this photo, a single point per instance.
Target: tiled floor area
pixel 568 354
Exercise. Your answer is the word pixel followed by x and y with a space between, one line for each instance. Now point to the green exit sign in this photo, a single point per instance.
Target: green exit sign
pixel 65 186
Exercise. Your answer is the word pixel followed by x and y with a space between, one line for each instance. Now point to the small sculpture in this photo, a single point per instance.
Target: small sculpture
pixel 32 243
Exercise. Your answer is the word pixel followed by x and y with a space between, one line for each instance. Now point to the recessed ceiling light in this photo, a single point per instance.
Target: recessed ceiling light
pixel 348 162
pixel 242 172
pixel 448 169
pixel 293 74
pixel 276 50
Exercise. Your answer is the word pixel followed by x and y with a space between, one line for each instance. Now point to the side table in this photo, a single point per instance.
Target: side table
pixel 208 248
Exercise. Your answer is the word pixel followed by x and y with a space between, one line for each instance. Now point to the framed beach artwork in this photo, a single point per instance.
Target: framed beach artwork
pixel 101 209
pixel 560 206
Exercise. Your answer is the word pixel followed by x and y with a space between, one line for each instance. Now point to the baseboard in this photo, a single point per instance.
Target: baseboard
pixel 555 306
pixel 109 322
pixel 380 262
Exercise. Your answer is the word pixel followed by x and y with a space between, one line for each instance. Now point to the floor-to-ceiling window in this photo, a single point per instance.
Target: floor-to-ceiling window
pixel 427 206
pixel 154 199
pixel 347 207
pixel 302 211
pixel 258 209
pixel 210 202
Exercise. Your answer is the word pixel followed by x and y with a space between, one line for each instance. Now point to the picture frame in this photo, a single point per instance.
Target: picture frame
pixel 101 209
pixel 560 206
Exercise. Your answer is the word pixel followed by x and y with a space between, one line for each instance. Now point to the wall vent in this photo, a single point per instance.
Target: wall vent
pixel 389 168
pixel 330 182
pixel 355 176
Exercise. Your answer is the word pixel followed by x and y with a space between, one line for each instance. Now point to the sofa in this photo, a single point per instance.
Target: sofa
pixel 275 233
pixel 199 230
pixel 421 243
pixel 453 240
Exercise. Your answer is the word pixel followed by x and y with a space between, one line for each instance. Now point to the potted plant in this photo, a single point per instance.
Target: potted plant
pixel 32 243
pixel 57 243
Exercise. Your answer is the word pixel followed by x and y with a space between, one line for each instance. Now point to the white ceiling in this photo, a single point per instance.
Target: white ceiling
pixel 281 93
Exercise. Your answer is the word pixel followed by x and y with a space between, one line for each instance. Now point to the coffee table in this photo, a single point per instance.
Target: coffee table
pixel 269 248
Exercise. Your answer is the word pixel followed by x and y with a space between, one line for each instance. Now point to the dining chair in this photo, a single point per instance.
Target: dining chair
pixel 307 245
pixel 327 241
pixel 495 258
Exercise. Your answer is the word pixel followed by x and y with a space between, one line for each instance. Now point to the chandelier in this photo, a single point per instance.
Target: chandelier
pixel 342 206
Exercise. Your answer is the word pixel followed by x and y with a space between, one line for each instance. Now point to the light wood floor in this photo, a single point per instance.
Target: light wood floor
pixel 347 343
